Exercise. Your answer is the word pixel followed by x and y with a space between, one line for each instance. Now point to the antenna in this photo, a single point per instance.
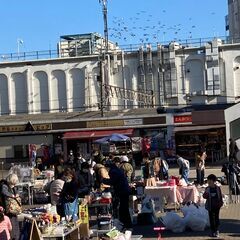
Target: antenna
pixel 105 19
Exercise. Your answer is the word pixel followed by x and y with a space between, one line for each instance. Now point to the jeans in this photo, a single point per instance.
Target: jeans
pixel 200 176
pixel 214 219
pixel 185 174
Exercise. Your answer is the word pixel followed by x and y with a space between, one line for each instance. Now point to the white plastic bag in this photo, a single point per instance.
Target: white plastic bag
pixel 174 222
pixel 196 223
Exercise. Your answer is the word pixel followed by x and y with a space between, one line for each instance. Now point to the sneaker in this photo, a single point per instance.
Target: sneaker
pixel 217 234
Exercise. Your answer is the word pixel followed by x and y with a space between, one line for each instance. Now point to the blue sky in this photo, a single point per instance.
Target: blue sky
pixel 40 23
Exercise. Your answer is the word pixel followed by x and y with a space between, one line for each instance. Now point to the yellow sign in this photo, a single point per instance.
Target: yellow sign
pixel 83 214
pixel 105 123
pixel 42 127
pixel 4 129
pixel 21 128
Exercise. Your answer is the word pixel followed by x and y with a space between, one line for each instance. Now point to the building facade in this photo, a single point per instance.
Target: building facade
pixel 176 74
pixel 233 20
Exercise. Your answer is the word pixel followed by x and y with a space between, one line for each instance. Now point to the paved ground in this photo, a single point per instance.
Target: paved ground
pixel 230 218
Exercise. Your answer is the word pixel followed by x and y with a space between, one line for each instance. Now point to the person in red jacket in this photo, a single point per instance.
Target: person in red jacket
pixel 213 195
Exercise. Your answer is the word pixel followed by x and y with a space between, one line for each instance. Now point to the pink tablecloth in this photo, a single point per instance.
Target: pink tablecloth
pixel 187 194
pixel 162 194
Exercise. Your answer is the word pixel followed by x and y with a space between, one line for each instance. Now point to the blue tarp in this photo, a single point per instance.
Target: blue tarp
pixel 113 138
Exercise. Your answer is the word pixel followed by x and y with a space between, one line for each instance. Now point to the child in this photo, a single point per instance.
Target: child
pixel 5 226
pixel 214 202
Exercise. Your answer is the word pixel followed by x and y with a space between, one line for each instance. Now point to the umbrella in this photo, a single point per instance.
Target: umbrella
pixel 113 138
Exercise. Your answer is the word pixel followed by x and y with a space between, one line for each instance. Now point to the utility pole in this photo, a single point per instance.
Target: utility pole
pixel 103 57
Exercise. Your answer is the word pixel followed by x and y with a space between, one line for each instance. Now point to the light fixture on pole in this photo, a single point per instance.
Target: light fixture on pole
pixel 19 42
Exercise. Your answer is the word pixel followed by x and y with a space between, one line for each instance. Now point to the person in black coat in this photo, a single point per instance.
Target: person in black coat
pixel 120 185
pixel 69 195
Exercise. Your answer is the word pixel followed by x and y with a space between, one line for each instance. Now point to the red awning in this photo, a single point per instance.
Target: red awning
pixel 96 134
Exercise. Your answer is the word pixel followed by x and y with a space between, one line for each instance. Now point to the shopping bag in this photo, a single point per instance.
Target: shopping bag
pixel 13 206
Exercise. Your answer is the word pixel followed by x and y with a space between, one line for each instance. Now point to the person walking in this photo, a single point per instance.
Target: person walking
pixel 214 202
pixel 233 149
pixel 200 167
pixel 184 168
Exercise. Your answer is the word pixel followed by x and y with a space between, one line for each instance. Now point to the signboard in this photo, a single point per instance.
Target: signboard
pixel 183 119
pixel 133 122
pixel 105 123
pixel 22 128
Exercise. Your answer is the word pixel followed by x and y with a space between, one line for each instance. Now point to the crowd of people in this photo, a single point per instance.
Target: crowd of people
pixel 77 178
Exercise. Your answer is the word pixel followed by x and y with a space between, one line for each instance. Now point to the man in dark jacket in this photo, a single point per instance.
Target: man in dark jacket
pixel 119 182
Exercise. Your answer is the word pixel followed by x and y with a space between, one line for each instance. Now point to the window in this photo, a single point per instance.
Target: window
pixel 20 151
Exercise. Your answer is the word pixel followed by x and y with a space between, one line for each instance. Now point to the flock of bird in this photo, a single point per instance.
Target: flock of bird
pixel 145 28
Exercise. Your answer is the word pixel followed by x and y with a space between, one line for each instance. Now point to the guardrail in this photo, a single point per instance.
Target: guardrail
pixel 128 48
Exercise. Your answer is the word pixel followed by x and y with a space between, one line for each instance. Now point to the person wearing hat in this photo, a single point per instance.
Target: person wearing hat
pixel 126 167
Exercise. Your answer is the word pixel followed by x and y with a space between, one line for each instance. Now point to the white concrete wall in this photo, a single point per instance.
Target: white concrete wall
pixel 71 84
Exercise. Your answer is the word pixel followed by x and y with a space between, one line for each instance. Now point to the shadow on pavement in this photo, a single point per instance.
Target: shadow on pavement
pixel 228 227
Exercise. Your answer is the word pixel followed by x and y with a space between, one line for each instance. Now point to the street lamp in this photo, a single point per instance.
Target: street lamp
pixel 102 60
pixel 105 20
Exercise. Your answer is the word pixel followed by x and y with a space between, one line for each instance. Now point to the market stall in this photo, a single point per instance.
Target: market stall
pixel 118 144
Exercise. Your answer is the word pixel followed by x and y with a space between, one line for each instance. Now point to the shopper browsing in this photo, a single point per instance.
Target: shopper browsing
pixel 214 202
pixel 184 168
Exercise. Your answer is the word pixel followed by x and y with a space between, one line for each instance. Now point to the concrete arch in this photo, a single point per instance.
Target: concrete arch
pixel 236 68
pixel 77 89
pixel 4 101
pixel 40 92
pixel 19 94
pixel 58 91
pixel 194 75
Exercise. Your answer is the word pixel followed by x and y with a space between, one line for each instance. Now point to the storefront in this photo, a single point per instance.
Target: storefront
pixel 232 118
pixel 203 130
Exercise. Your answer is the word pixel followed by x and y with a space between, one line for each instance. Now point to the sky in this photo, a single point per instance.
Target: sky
pixel 40 23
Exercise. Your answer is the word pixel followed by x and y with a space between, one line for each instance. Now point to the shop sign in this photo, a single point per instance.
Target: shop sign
pixel 105 123
pixel 42 127
pixel 5 129
pixel 183 119
pixel 22 128
pixel 133 122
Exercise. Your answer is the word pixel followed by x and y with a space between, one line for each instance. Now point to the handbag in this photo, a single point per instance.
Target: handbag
pixel 13 205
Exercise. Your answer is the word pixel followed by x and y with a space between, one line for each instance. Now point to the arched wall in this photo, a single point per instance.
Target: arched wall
pixel 19 93
pixel 4 102
pixel 58 91
pixel 40 92
pixel 77 89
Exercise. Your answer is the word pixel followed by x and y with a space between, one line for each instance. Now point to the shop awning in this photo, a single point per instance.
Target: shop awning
pixel 96 134
pixel 196 128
